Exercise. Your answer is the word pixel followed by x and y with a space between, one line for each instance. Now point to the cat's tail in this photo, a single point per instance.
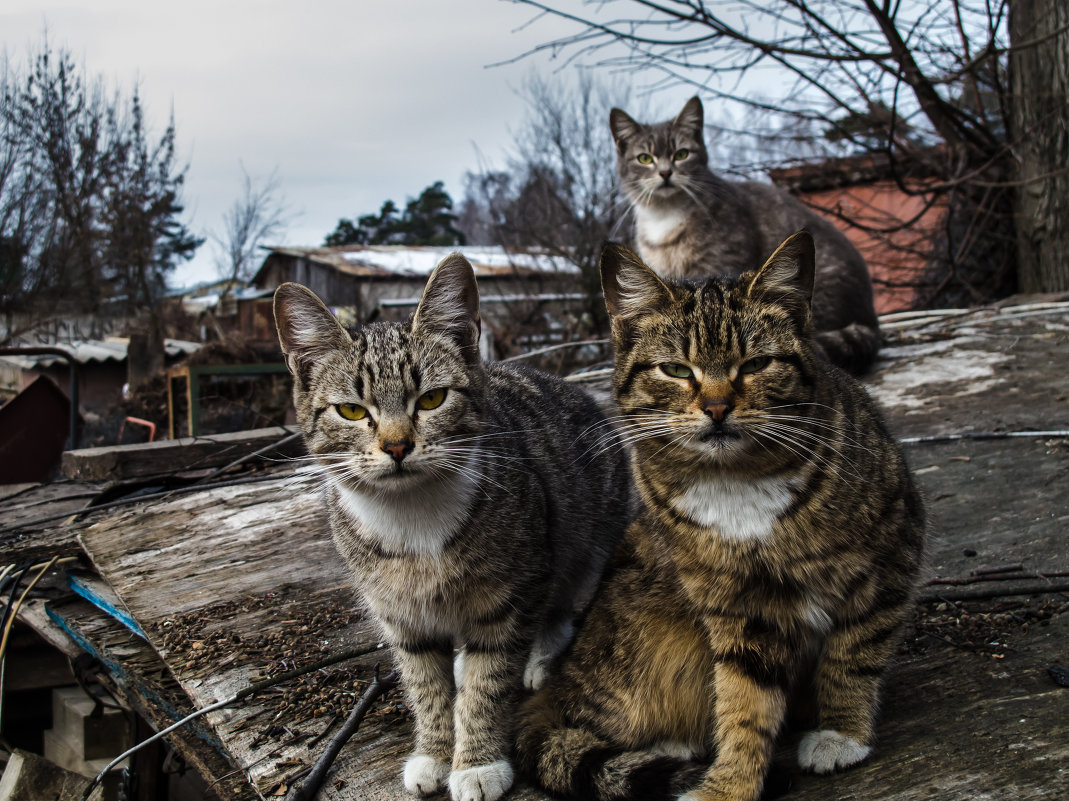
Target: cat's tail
pixel 576 763
pixel 852 348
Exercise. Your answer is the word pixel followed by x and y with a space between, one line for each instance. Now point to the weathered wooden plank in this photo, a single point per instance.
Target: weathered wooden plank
pixel 34 615
pixel 961 723
pixel 120 462
pixel 33 501
pixel 233 584
pixel 989 371
pixel 23 539
pixel 144 682
pixel 228 589
pixel 103 597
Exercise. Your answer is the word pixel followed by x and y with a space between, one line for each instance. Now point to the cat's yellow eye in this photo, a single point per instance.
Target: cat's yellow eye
pixel 676 370
pixel 431 400
pixel 680 154
pixel 644 158
pixel 755 364
pixel 351 411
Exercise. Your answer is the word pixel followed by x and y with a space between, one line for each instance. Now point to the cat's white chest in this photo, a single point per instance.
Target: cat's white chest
pixel 737 509
pixel 657 225
pixel 420 522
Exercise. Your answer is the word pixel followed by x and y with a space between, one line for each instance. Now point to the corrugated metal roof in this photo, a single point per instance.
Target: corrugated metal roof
pixel 96 350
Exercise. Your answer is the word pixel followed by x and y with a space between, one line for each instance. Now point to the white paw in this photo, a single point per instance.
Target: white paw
pixel 535 674
pixel 547 648
pixel 827 751
pixel 425 775
pixel 481 783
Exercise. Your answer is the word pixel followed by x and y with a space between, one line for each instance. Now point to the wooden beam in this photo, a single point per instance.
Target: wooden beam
pixel 118 462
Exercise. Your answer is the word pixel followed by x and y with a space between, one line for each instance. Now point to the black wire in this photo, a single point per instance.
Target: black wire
pixel 19 573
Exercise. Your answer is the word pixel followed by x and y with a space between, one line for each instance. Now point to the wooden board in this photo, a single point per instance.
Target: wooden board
pixel 235 584
pixel 120 462
pixel 988 370
pixel 961 723
pixel 23 539
pixel 232 584
pixel 143 681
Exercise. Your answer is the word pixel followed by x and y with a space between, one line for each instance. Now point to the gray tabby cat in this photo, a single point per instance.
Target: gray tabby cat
pixel 469 508
pixel 690 223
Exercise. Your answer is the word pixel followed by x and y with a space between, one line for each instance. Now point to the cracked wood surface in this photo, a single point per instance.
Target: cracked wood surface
pixel 229 581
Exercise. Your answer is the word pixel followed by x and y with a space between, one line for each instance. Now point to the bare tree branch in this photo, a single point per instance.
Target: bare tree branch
pixel 258 214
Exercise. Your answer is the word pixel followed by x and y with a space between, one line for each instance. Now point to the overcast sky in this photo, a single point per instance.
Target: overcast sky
pixel 352 101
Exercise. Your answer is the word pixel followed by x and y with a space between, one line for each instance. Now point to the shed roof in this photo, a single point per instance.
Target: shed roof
pixel 403 261
pixel 94 350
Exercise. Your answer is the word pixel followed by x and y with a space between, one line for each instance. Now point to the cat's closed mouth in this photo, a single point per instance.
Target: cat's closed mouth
pixel 720 437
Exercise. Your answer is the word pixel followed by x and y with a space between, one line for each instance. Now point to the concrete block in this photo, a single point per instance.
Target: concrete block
pixel 90 737
pixel 62 753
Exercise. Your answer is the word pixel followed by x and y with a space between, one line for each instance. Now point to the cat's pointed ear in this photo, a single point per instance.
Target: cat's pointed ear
pixel 692 118
pixel 623 128
pixel 306 328
pixel 450 305
pixel 791 269
pixel 630 287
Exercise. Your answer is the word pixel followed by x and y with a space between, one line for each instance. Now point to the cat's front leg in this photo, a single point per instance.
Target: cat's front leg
pixel 548 645
pixel 847 686
pixel 427 678
pixel 483 714
pixel 750 705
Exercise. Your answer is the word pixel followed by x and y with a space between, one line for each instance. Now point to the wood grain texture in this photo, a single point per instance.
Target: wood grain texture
pixel 231 584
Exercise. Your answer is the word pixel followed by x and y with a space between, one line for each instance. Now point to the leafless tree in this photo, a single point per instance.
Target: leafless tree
pixel 922 89
pixel 558 193
pixel 90 201
pixel 258 215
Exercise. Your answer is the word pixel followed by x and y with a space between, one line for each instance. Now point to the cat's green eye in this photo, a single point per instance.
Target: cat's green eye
pixel 351 411
pixel 755 364
pixel 680 154
pixel 431 400
pixel 676 370
pixel 644 158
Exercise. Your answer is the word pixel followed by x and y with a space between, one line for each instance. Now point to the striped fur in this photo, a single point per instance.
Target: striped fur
pixel 795 550
pixel 480 544
pixel 693 224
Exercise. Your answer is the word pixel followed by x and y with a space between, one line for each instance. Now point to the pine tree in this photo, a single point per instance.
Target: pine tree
pixel 427 220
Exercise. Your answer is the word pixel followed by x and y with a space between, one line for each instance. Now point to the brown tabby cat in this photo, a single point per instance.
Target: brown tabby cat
pixel 690 223
pixel 780 529
pixel 469 506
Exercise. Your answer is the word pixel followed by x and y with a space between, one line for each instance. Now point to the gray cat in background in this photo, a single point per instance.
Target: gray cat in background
pixel 475 504
pixel 690 223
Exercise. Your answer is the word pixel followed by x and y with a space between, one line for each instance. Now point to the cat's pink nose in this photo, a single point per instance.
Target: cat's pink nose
pixel 398 449
pixel 666 174
pixel 718 409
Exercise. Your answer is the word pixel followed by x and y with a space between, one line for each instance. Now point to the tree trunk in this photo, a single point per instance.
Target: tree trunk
pixel 1039 70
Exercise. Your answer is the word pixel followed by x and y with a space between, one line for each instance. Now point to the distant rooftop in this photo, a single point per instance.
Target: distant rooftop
pixel 412 261
pixel 93 350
